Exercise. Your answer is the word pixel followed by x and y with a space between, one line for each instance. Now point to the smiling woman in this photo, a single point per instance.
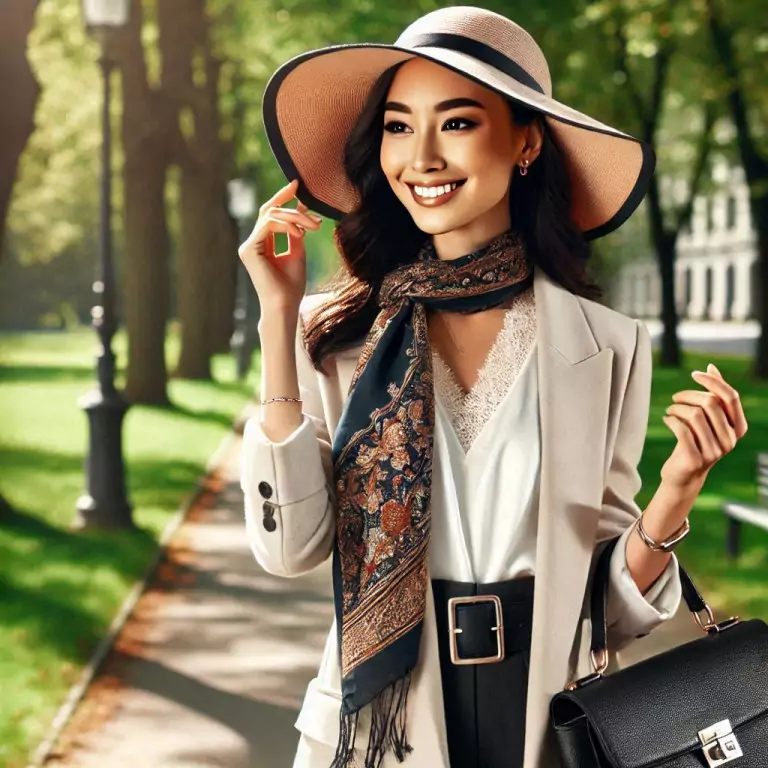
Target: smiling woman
pixel 463 527
pixel 424 126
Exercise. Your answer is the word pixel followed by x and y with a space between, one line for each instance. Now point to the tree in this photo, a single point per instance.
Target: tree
pixel 664 230
pixel 146 123
pixel 207 250
pixel 644 45
pixel 754 158
pixel 20 91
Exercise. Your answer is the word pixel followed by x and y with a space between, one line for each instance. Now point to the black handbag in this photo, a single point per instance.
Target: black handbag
pixel 704 703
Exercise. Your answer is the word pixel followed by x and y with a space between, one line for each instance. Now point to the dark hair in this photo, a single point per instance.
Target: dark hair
pixel 381 235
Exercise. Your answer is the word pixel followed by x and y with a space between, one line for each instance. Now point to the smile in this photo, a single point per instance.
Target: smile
pixel 435 195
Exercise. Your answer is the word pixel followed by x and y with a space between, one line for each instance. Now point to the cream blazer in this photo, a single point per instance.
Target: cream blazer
pixel 594 371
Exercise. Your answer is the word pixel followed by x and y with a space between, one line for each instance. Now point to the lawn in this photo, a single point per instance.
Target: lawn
pixel 739 587
pixel 58 590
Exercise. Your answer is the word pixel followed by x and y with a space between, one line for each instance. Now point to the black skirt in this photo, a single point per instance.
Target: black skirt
pixel 485 702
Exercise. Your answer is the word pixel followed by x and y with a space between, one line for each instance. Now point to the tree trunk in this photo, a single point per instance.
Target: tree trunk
pixel 20 92
pixel 670 343
pixel 207 251
pixel 223 296
pixel 664 245
pixel 760 219
pixel 146 273
pixel 198 264
pixel 147 280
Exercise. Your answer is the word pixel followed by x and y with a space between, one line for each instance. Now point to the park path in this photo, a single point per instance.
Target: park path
pixel 211 667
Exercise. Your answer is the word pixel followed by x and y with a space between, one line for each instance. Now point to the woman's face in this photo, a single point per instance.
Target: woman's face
pixel 443 129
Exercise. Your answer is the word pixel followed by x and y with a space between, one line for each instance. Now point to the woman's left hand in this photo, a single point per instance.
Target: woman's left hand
pixel 707 426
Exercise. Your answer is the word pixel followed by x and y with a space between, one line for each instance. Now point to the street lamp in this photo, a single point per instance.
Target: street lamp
pixel 104 503
pixel 242 206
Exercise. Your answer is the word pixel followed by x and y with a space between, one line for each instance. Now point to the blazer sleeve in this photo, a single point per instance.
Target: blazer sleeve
pixel 630 613
pixel 288 486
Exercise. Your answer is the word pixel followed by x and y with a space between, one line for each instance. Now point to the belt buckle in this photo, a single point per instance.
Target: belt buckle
pixel 453 630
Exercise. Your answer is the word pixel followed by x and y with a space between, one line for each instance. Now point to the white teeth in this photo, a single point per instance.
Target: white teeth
pixel 434 191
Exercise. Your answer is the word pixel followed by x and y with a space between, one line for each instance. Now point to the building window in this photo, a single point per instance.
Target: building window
pixel 731 213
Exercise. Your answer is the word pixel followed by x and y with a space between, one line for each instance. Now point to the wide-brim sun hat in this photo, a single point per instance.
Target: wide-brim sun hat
pixel 312 102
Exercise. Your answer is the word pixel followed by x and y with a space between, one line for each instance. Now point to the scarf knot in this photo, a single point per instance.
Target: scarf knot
pixel 434 281
pixel 382 463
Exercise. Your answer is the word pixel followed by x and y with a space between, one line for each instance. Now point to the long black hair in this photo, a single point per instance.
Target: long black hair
pixel 380 234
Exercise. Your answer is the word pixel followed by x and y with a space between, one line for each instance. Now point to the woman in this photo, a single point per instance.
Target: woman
pixel 457 421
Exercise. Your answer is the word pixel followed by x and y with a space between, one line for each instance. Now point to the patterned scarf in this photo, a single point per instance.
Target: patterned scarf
pixel 382 457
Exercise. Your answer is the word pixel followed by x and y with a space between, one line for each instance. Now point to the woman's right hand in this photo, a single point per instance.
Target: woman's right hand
pixel 279 278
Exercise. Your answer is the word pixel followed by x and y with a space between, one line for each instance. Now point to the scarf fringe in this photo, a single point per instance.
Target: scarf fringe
pixel 388 722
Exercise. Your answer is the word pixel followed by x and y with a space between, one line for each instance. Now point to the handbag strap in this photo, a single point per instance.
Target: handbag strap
pixel 599 599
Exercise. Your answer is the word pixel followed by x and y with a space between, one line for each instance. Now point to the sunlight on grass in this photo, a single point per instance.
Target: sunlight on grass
pixel 61 590
pixel 740 587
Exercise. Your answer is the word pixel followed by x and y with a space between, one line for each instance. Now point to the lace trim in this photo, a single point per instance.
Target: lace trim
pixel 509 351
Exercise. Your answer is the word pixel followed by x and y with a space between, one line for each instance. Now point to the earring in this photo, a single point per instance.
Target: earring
pixel 524 167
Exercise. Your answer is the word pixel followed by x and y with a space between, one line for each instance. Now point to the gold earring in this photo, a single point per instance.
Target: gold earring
pixel 524 167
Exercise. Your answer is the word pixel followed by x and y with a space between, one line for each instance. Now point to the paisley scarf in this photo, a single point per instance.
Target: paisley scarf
pixel 382 459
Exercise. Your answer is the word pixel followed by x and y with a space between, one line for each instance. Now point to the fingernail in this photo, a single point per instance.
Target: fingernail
pixel 316 216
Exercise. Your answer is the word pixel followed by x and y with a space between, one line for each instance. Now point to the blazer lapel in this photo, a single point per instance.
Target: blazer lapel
pixel 574 396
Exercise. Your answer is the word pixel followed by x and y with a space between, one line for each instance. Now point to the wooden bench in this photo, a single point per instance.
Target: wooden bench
pixel 739 512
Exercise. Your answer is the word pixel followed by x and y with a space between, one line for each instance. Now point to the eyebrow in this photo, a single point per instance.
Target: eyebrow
pixel 442 106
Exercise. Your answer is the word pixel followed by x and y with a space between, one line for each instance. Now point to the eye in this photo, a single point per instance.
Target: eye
pixel 392 124
pixel 395 126
pixel 468 123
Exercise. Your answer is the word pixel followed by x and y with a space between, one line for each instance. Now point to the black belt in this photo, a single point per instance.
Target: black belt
pixel 484 669
pixel 484 623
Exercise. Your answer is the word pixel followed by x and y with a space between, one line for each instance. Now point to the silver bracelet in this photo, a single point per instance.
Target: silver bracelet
pixel 663 546
pixel 282 400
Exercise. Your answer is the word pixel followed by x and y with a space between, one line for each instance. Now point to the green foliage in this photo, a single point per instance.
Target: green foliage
pixel 54 216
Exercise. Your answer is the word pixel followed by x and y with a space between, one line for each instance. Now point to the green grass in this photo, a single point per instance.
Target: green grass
pixel 739 587
pixel 60 590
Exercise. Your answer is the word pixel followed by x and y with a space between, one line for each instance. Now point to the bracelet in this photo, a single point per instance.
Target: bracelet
pixel 282 400
pixel 670 543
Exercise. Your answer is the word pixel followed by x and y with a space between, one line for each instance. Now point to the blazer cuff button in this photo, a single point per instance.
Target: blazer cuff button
pixel 265 489
pixel 269 517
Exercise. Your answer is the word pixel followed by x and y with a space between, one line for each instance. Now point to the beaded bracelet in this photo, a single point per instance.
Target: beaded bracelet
pixel 282 400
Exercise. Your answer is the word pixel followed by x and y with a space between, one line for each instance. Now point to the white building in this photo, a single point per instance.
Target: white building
pixel 716 265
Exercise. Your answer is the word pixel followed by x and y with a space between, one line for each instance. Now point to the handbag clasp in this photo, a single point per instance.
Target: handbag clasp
pixel 720 744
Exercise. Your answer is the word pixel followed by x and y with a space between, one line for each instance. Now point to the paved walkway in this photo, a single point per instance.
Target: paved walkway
pixel 212 666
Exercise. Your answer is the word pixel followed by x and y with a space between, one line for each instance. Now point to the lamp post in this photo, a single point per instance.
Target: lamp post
pixel 242 206
pixel 104 503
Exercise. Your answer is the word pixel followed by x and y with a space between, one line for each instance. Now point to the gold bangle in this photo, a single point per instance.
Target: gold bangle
pixel 663 546
pixel 282 400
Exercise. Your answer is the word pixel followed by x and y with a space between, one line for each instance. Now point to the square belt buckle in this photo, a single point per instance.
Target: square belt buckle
pixel 453 630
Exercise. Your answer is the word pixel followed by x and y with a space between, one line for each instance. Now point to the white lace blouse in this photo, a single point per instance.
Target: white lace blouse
pixel 484 516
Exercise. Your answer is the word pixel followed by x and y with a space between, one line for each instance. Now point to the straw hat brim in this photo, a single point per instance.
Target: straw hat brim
pixel 312 101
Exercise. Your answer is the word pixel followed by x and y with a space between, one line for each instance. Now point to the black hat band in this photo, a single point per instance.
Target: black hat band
pixel 477 50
